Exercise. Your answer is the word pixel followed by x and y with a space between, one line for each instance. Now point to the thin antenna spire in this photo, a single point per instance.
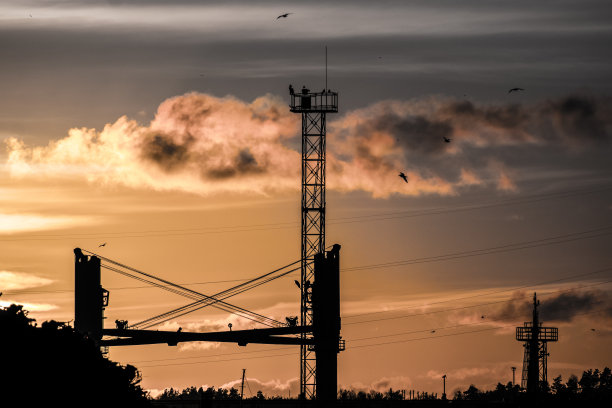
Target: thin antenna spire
pixel 326 67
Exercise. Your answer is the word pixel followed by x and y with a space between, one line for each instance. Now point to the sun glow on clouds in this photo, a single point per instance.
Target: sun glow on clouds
pixel 19 281
pixel 203 144
pixel 15 223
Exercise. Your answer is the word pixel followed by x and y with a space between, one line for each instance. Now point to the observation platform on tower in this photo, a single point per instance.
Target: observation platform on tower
pixel 525 333
pixel 306 101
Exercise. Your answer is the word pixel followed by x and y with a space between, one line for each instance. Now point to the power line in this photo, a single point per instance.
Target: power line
pixel 219 361
pixel 360 346
pixel 554 240
pixel 410 332
pixel 331 221
pixel 488 293
pixel 183 291
pixel 456 334
pixel 31 292
pixel 559 239
pixel 465 307
pixel 212 355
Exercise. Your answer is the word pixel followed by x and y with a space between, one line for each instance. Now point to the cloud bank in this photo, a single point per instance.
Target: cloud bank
pixel 203 144
pixel 563 307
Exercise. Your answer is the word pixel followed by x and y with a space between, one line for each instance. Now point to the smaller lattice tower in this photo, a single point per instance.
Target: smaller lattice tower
pixel 535 339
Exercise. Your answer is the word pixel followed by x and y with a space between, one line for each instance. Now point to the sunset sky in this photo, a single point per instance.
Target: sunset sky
pixel 162 128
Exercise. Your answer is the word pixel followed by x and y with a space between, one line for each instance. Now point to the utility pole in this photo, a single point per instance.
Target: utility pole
pixel 444 387
pixel 242 386
pixel 513 375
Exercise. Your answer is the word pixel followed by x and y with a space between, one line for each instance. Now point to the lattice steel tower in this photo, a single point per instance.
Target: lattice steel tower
pixel 313 106
pixel 535 338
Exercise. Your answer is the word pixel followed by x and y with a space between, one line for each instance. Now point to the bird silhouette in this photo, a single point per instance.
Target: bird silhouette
pixel 101 245
pixel 297 284
pixel 482 317
pixel 433 331
pixel 402 175
pixel 283 15
pixel 592 329
pixel 446 139
pixel 515 90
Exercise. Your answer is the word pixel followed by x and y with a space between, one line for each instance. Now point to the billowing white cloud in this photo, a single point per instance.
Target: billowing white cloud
pixel 203 144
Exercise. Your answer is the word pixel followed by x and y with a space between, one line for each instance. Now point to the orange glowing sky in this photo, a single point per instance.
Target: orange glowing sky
pixel 164 131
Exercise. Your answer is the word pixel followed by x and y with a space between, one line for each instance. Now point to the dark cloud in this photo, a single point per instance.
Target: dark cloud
pixel 563 307
pixel 508 117
pixel 165 151
pixel 495 144
pixel 583 118
pixel 567 306
pixel 417 134
pixel 243 163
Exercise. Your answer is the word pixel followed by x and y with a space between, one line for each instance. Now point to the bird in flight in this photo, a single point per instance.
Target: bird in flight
pixel 402 175
pixel 297 284
pixel 592 329
pixel 283 15
pixel 433 331
pixel 446 139
pixel 482 317
pixel 515 90
pixel 101 245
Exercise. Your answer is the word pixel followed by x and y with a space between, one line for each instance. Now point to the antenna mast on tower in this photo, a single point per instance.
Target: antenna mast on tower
pixel 535 358
pixel 313 107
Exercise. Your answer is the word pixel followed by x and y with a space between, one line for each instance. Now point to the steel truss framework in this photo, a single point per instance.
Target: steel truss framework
pixel 313 231
pixel 535 357
pixel 313 106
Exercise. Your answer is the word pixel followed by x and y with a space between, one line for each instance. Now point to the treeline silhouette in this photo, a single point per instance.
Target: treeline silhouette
pixel 594 386
pixel 592 389
pixel 52 365
pixel 201 394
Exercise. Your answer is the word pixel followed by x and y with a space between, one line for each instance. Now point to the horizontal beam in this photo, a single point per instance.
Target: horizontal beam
pixel 127 337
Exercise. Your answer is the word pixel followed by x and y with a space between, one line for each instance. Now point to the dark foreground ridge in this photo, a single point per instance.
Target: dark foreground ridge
pixel 53 365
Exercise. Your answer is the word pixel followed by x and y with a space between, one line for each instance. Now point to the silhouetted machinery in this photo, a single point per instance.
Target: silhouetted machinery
pixel 319 328
pixel 535 338
pixel 324 333
pixel 90 298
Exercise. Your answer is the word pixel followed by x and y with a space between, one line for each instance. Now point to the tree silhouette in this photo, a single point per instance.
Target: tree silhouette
pixel 54 365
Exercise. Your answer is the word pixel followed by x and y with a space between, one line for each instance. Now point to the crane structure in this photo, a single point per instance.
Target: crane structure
pixel 535 338
pixel 313 106
pixel 323 335
pixel 318 332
